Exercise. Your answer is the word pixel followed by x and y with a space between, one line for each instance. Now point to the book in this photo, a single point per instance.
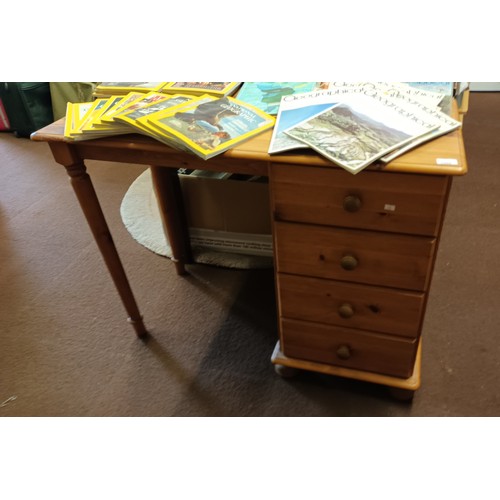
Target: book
pixel 76 131
pixel 267 95
pixel 107 122
pixel 83 119
pixel 127 106
pixel 297 108
pixel 157 114
pixel 80 110
pixel 397 90
pixel 74 116
pixel 293 110
pixel 137 119
pixel 150 123
pixel 445 88
pixel 446 125
pixel 69 119
pixel 97 117
pixel 211 126
pixel 217 89
pixel 359 130
pixel 90 126
pixel 424 106
pixel 419 104
pixel 120 105
pixel 92 123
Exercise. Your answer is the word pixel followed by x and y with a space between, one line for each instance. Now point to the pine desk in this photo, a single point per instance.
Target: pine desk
pixel 354 255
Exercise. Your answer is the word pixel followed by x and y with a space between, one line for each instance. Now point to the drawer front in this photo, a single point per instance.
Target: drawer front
pixel 400 203
pixel 367 257
pixel 384 310
pixel 355 349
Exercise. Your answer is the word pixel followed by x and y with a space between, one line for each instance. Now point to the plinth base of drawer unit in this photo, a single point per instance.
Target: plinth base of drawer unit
pixel 411 383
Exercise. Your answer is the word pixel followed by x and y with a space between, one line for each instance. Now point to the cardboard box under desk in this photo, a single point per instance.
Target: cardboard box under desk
pixel 228 213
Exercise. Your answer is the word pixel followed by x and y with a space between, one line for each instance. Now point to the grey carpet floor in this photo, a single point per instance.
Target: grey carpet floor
pixel 67 350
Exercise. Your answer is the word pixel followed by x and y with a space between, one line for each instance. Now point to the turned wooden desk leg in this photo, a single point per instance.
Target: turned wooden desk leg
pixel 169 196
pixel 84 190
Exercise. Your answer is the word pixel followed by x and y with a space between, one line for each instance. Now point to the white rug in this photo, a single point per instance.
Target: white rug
pixel 141 216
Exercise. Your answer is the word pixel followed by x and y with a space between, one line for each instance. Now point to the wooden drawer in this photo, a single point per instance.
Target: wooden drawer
pixel 400 203
pixel 367 257
pixel 355 349
pixel 385 310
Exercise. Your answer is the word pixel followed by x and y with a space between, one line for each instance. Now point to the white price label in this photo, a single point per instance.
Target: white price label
pixel 446 161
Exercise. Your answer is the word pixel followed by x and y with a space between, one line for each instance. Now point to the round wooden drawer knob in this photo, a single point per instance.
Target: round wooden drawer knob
pixel 352 203
pixel 346 311
pixel 348 262
pixel 343 352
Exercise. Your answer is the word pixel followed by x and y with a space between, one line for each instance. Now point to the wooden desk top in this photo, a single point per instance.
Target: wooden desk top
pixel 442 156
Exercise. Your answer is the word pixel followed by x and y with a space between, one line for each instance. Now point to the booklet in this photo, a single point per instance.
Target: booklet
pixel 293 110
pixel 210 126
pixel 267 95
pixel 361 129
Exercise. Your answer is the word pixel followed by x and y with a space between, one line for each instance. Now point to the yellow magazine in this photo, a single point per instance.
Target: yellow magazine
pixel 69 120
pixel 113 88
pixel 143 101
pixel 150 122
pixel 217 89
pixel 74 116
pixel 87 130
pixel 137 119
pixel 108 116
pixel 80 109
pixel 213 125
pixel 95 107
pixel 95 119
pixel 160 135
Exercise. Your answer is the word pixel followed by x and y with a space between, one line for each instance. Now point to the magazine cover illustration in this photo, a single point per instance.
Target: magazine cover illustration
pixel 295 109
pixel 358 131
pixel 160 105
pixel 108 107
pixel 93 110
pixel 124 103
pixel 446 88
pixel 267 95
pixel 80 109
pixel 75 113
pixel 140 118
pixel 145 100
pixel 396 90
pixel 215 125
pixel 446 124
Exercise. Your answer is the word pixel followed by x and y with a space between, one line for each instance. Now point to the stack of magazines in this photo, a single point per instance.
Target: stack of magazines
pixel 204 124
pixel 217 89
pixel 351 124
pixel 357 124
